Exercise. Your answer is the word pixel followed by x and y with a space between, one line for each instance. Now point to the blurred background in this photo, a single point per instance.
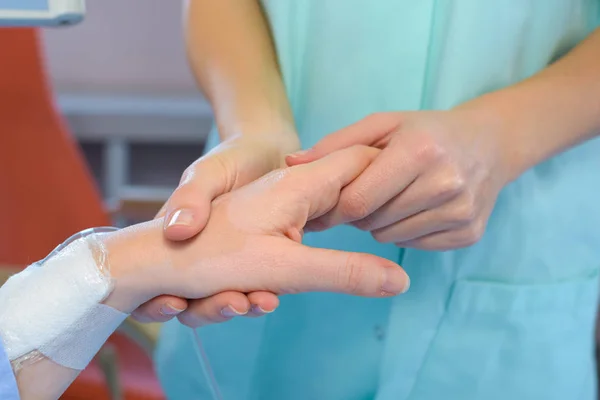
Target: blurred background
pixel 122 82
pixel 98 123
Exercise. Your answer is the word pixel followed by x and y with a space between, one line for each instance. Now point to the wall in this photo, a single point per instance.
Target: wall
pixel 132 46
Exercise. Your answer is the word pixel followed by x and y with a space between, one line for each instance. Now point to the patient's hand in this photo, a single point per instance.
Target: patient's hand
pixel 252 243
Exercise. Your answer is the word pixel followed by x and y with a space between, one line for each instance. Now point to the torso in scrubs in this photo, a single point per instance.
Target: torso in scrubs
pixel 511 317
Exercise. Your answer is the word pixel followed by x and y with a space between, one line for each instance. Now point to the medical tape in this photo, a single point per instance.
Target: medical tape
pixel 54 309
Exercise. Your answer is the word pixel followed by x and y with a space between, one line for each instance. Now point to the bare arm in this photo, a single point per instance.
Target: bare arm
pixel 262 222
pixel 551 111
pixel 233 59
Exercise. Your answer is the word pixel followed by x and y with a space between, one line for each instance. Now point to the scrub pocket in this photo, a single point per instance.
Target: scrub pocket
pixel 510 341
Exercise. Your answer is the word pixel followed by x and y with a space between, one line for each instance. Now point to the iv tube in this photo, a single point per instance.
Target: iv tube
pixel 206 368
pixel 201 354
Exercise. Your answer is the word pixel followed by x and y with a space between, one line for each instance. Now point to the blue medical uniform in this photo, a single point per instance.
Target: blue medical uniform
pixel 511 317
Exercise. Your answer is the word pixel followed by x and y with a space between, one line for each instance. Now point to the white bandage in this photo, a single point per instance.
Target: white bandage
pixel 54 309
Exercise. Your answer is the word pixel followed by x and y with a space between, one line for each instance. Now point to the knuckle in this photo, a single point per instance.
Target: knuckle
pixel 452 184
pixel 351 274
pixel 354 206
pixel 429 150
pixel 473 234
pixel 466 211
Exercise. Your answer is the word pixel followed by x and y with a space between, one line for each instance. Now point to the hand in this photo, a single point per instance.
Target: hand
pixel 432 187
pixel 252 242
pixel 230 165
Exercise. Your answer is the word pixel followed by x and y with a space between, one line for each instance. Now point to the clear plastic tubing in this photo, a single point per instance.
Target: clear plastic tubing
pixel 202 357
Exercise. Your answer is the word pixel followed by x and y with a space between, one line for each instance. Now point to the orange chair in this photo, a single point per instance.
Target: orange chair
pixel 47 193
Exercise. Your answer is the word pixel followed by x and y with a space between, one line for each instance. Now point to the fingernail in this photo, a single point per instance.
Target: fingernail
pixel 299 153
pixel 394 282
pixel 182 217
pixel 168 309
pixel 259 310
pixel 231 312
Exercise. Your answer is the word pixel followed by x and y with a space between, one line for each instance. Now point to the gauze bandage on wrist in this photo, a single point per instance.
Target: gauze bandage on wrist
pixel 54 308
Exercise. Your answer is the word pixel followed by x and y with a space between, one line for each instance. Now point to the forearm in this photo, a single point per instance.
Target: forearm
pixel 233 59
pixel 551 111
pixel 44 380
pixel 40 376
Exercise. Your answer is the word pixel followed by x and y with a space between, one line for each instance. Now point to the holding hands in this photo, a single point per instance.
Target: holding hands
pixel 251 243
pixel 434 184
pixel 431 183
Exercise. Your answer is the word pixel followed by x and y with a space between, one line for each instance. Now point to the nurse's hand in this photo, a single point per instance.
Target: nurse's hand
pixel 252 242
pixel 230 165
pixel 432 187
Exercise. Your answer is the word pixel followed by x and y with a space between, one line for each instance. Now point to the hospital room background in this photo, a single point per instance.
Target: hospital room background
pixel 106 107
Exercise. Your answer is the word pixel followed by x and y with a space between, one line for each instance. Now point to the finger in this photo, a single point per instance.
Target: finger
pixel 387 176
pixel 294 268
pixel 351 273
pixel 464 211
pixel 189 206
pixel 368 131
pixel 262 303
pixel 220 307
pixel 328 176
pixel 465 236
pixel 425 193
pixel 160 309
pixel 414 227
pixel 443 241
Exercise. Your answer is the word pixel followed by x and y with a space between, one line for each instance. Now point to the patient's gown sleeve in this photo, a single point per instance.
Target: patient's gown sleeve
pixel 8 384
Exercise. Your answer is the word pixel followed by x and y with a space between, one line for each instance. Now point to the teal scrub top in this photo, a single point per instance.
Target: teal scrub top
pixel 511 317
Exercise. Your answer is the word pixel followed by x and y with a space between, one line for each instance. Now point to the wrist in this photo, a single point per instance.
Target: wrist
pixel 136 257
pixel 279 133
pixel 500 121
pixel 540 117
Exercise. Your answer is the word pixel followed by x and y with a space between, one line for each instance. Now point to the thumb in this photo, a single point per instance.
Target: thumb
pixel 368 131
pixel 322 270
pixel 188 209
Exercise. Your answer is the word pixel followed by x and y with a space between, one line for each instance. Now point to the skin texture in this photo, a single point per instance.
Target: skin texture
pixel 232 56
pixel 251 243
pixel 436 181
pixel 527 123
pixel 432 187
